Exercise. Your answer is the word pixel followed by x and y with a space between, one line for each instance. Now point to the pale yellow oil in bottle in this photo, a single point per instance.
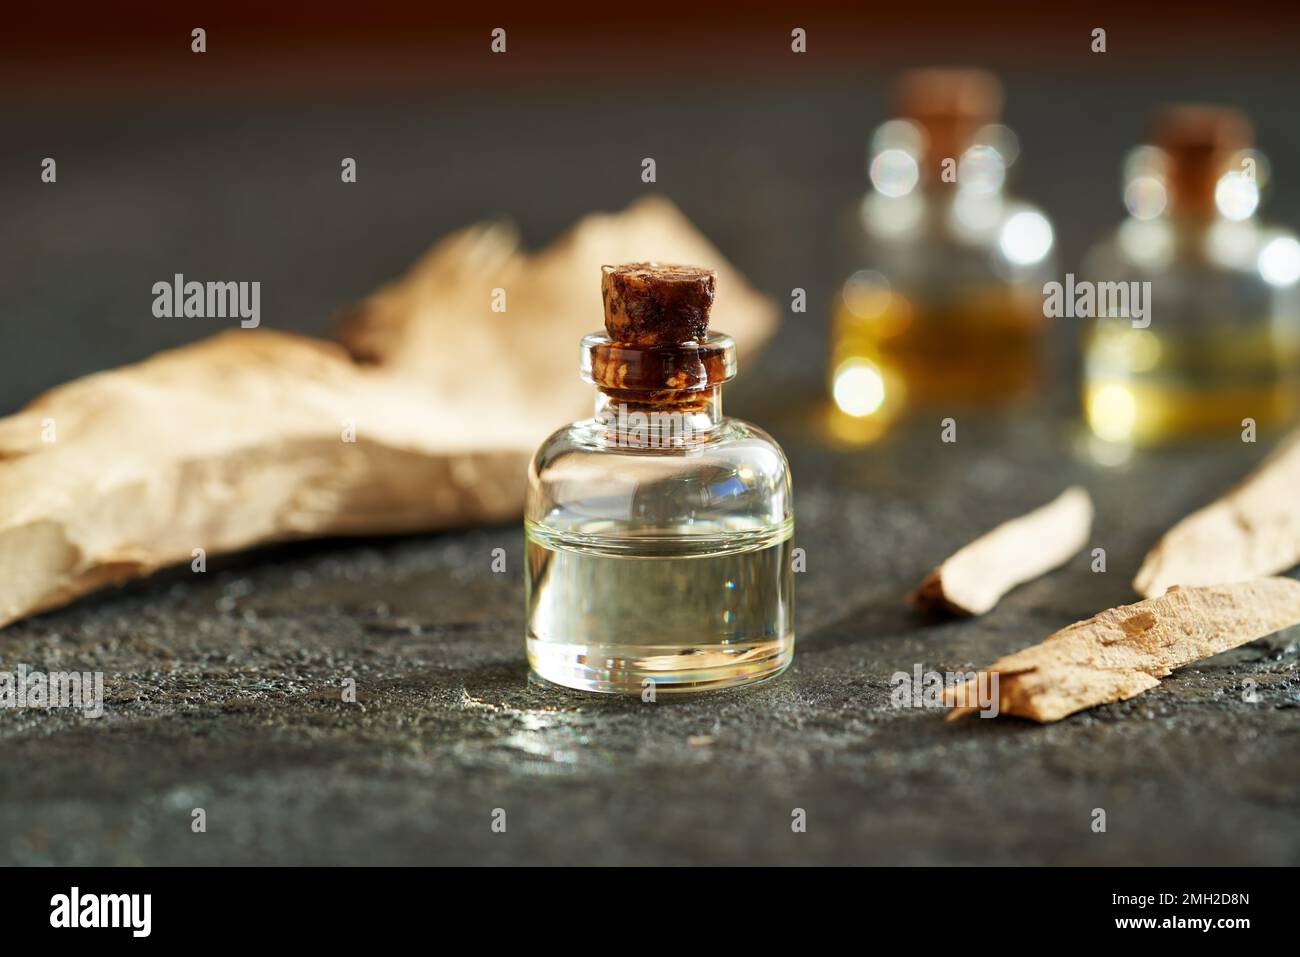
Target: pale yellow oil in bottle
pixel 1144 386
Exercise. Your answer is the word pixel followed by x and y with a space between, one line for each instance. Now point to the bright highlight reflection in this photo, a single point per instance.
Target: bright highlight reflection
pixel 1112 412
pixel 981 170
pixel 1236 196
pixel 859 388
pixel 1279 261
pixel 894 172
pixel 1026 238
pixel 1145 197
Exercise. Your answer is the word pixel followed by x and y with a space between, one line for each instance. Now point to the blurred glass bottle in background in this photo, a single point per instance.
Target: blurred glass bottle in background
pixel 1221 341
pixel 948 302
pixel 659 531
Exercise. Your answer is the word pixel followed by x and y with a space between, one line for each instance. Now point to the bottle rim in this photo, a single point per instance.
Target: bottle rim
pixel 684 367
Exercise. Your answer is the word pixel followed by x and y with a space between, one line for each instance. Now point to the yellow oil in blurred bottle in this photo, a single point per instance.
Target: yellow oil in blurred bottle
pixel 1144 386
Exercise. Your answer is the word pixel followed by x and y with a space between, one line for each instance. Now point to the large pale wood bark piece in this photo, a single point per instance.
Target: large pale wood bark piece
pixel 1251 531
pixel 421 416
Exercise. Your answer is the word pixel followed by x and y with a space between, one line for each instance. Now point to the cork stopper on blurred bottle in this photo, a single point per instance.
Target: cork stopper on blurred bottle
pixel 1200 144
pixel 657 304
pixel 950 106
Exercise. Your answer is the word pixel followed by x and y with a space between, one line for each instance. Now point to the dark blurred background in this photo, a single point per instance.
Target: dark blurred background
pixel 226 164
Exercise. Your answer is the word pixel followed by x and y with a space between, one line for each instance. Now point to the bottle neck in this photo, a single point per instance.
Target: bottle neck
pixel 650 421
pixel 1191 233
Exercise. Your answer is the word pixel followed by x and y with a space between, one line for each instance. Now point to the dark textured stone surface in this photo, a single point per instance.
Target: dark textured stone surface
pixel 224 688
pixel 224 694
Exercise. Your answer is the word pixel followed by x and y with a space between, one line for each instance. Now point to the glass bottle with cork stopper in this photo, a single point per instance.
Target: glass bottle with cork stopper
pixel 658 531
pixel 1215 340
pixel 946 302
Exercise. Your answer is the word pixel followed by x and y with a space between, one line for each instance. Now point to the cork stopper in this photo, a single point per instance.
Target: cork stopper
pixel 950 105
pixel 656 304
pixel 1199 143
pixel 657 349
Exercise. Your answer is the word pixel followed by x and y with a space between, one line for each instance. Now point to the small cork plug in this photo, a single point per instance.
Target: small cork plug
pixel 655 304
pixel 1200 143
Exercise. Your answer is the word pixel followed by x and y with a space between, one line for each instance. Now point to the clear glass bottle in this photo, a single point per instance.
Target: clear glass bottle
pixel 658 532
pixel 1220 342
pixel 946 302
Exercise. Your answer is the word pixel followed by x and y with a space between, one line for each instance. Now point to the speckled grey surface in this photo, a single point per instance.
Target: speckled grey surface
pixel 224 689
pixel 223 693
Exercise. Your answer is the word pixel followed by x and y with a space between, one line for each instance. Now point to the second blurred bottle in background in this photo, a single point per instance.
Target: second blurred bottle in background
pixel 946 304
pixel 1218 345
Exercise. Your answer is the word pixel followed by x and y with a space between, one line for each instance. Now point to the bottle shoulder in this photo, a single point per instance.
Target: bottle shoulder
pixel 738 478
pixel 731 437
pixel 964 237
pixel 1159 247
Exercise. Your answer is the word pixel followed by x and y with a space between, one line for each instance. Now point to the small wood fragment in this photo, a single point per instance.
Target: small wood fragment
pixel 1124 651
pixel 1250 532
pixel 976 577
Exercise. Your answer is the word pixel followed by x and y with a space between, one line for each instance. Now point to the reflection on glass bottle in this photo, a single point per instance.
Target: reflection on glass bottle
pixel 1221 341
pixel 948 302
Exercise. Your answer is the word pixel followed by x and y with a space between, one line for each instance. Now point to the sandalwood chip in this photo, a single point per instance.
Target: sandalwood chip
pixel 1252 531
pixel 654 304
pixel 976 577
pixel 1124 651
